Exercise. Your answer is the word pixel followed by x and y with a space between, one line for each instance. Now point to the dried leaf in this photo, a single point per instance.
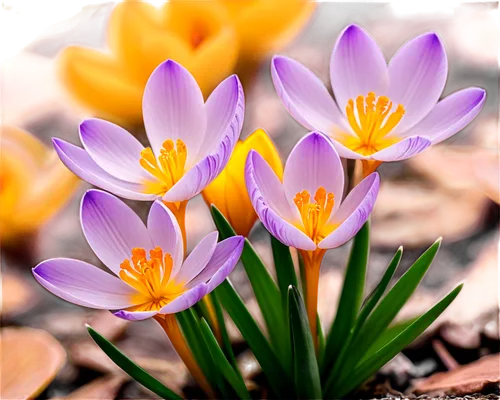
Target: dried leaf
pixel 17 296
pixel 106 387
pixel 31 359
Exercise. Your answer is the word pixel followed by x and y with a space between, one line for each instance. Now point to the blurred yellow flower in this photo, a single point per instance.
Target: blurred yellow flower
pixel 34 184
pixel 228 191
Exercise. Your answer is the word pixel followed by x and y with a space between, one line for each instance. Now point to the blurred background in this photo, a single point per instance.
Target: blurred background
pixel 450 190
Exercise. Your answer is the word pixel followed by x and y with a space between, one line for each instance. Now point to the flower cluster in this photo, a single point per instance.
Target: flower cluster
pixel 382 113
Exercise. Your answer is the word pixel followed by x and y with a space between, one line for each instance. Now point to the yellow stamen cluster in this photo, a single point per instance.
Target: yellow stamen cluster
pixel 150 278
pixel 372 120
pixel 168 168
pixel 315 215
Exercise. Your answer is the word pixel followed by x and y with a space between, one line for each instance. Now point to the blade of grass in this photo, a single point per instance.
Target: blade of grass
pixel 305 365
pixel 131 368
pixel 231 375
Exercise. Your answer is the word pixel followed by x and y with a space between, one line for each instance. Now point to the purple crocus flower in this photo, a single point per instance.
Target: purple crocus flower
pixel 382 112
pixel 149 273
pixel 191 140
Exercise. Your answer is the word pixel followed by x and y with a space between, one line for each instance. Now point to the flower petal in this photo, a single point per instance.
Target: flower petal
pixel 111 228
pixel 186 300
pixel 225 109
pixel 268 199
pixel 165 232
pixel 83 284
pixel 353 212
pixel 197 259
pixel 224 259
pixel 417 75
pixel 402 150
pixel 357 66
pixel 113 149
pixel 173 108
pixel 313 163
pixel 135 315
pixel 304 95
pixel 80 163
pixel 450 115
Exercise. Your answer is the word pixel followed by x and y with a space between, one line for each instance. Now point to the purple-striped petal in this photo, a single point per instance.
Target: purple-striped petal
pixel 165 233
pixel 304 95
pixel 112 229
pixel 417 75
pixel 197 259
pixel 173 108
pixel 450 115
pixel 224 259
pixel 114 149
pixel 80 163
pixel 185 300
pixel 83 284
pixel 135 315
pixel 314 163
pixel 357 66
pixel 268 199
pixel 225 109
pixel 403 149
pixel 353 212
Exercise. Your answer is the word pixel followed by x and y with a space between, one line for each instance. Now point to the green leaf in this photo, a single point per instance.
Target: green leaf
pixel 285 270
pixel 351 297
pixel 383 355
pixel 265 290
pixel 226 342
pixel 385 312
pixel 305 365
pixel 271 366
pixel 131 368
pixel 231 375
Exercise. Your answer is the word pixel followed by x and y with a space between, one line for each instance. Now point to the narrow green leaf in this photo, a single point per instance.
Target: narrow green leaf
pixel 131 368
pixel 305 365
pixel 231 375
pixel 226 342
pixel 265 289
pixel 389 306
pixel 285 270
pixel 321 343
pixel 351 297
pixel 377 360
pixel 271 366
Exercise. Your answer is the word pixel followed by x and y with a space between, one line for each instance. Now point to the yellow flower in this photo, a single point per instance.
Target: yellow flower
pixel 34 184
pixel 198 35
pixel 228 191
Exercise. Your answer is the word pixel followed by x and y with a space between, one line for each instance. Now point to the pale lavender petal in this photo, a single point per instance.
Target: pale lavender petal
pixel 304 95
pixel 450 115
pixel 114 149
pixel 185 300
pixel 135 315
pixel 165 232
pixel 417 75
pixel 224 259
pixel 353 212
pixel 83 284
pixel 112 228
pixel 403 149
pixel 269 202
pixel 81 164
pixel 173 108
pixel 357 66
pixel 225 109
pixel 314 163
pixel 345 152
pixel 197 259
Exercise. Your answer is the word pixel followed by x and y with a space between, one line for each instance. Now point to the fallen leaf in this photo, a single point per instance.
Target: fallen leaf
pixel 106 387
pixel 17 295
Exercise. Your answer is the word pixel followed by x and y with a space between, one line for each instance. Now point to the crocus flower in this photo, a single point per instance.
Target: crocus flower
pixel 228 191
pixel 149 276
pixel 191 141
pixel 34 184
pixel 382 112
pixel 306 211
pixel 110 83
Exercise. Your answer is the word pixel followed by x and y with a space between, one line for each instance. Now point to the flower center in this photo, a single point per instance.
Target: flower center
pixel 168 168
pixel 315 215
pixel 151 278
pixel 371 120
